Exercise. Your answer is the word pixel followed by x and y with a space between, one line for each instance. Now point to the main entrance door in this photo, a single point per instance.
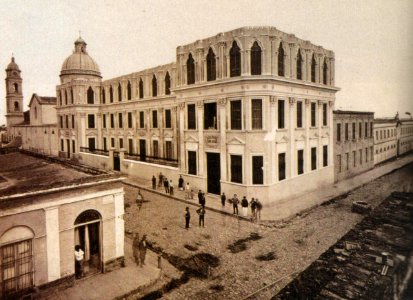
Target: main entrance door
pixel 142 149
pixel 68 148
pixel 116 161
pixel 213 173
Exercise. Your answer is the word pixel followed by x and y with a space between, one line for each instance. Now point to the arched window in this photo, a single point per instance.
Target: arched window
pixel 129 91
pixel 313 66
pixel 167 84
pixel 211 65
pixel 111 94
pixel 103 96
pixel 16 106
pixel 190 69
pixel 65 97
pixel 16 88
pixel 88 216
pixel 325 70
pixel 140 88
pixel 119 92
pixel 234 60
pixel 281 60
pixel 90 96
pixel 35 112
pixel 61 97
pixel 299 65
pixel 154 86
pixel 255 59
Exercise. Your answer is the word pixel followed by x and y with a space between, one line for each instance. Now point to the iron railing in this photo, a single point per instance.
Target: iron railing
pixel 94 151
pixel 152 159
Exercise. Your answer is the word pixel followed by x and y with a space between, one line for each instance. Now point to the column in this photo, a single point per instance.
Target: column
pixel 119 225
pixel 274 55
pixel 307 150
pixel 319 120
pixel 223 137
pixel 291 142
pixel 52 243
pixel 331 133
pixel 318 68
pixel 161 133
pixel 200 124
pixel 332 70
pixel 293 59
pixel 99 128
pixel 182 137
pixel 287 60
pixel 309 56
pixel 82 130
pixel 247 58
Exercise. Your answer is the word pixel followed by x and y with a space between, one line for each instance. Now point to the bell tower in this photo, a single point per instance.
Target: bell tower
pixel 14 95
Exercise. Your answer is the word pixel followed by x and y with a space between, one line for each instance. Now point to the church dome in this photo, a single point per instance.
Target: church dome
pixel 12 65
pixel 80 62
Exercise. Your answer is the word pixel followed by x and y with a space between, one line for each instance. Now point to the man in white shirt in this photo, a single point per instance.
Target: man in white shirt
pixel 79 257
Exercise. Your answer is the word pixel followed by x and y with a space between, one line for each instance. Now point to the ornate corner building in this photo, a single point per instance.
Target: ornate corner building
pixel 247 112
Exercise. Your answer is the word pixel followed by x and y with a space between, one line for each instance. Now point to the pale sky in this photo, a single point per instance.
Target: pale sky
pixel 372 40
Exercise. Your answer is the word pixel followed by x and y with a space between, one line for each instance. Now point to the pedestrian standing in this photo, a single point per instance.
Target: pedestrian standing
pixel 166 185
pixel 203 201
pixel 142 250
pixel 223 199
pixel 253 205
pixel 154 182
pixel 79 257
pixel 139 200
pixel 135 248
pixel 187 217
pixel 244 204
pixel 201 213
pixel 171 188
pixel 199 197
pixel 192 194
pixel 258 208
pixel 160 182
pixel 187 191
pixel 235 202
pixel 181 183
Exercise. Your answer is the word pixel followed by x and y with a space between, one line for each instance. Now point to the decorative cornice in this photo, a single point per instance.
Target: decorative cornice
pixel 222 101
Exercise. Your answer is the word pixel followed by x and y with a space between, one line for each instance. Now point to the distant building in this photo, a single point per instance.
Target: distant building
pixel 43 217
pixel 353 143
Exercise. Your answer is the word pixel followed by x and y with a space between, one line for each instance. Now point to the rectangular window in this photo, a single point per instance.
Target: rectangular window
pixel 339 163
pixel 354 131
pixel 236 168
pixel 361 156
pixel 281 166
pixel 354 159
pixel 325 156
pixel 67 121
pixel 73 121
pixel 313 158
pixel 155 148
pixel 130 146
pixel 104 121
pixel 257 170
pixel 154 119
pixel 62 145
pixel 313 114
pixel 367 155
pixel 299 114
pixel 371 129
pixel 168 122
pixel 346 131
pixel 347 161
pixel 191 116
pixel 168 150
pixel 236 116
pixel 324 114
pixel 112 121
pixel 371 153
pixel 120 143
pixel 338 132
pixel 130 123
pixel 91 144
pixel 366 129
pixel 210 116
pixel 300 162
pixel 360 130
pixel 192 162
pixel 73 147
pixel 256 113
pixel 141 119
pixel 105 145
pixel 112 142
pixel 281 114
pixel 120 119
pixel 61 121
pixel 377 135
pixel 90 121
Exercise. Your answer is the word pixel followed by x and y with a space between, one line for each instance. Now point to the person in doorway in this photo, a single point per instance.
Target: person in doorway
pixel 154 182
pixel 142 250
pixel 135 248
pixel 223 199
pixel 244 204
pixel 258 205
pixel 187 191
pixel 235 202
pixel 181 183
pixel 171 188
pixel 79 257
pixel 201 213
pixel 166 185
pixel 160 178
pixel 253 205
pixel 187 217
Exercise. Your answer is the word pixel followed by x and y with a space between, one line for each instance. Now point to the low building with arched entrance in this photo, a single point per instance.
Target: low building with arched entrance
pixel 42 222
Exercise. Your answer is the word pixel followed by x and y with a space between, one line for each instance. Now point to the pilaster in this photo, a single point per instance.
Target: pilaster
pixel 52 243
pixel 200 126
pixel 291 130
pixel 223 137
pixel 307 124
pixel 182 137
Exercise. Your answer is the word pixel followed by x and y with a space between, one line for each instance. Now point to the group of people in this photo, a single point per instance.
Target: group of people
pixel 139 249
pixel 201 213
pixel 169 186
pixel 254 204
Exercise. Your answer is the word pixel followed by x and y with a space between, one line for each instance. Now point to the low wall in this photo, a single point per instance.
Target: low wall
pixel 94 160
pixel 144 170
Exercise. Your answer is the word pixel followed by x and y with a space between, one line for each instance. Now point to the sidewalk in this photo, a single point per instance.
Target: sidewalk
pixel 288 207
pixel 114 284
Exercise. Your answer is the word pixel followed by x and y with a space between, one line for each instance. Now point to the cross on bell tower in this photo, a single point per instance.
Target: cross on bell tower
pixel 14 94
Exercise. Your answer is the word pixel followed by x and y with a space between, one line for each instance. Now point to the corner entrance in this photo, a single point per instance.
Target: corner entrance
pixel 214 173
pixel 116 161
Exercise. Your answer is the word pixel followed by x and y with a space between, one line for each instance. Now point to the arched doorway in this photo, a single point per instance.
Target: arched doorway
pixel 16 262
pixel 88 237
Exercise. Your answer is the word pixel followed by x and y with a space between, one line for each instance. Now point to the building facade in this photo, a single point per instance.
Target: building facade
pixel 245 111
pixel 354 143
